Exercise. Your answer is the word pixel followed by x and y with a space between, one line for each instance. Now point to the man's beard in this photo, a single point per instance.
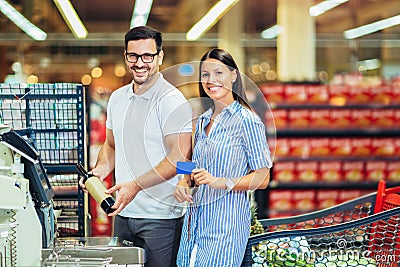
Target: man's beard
pixel 141 79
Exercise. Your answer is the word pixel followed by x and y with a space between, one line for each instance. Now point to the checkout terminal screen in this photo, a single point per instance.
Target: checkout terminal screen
pixel 39 184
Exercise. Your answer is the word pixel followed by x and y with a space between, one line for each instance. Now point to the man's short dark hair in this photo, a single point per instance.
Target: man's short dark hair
pixel 144 32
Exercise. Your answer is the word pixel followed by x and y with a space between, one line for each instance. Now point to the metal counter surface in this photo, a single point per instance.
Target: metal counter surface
pixel 91 250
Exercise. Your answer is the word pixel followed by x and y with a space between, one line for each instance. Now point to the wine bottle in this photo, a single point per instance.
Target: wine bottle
pixel 96 189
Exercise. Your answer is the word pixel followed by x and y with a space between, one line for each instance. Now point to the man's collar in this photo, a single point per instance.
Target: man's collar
pixel 149 93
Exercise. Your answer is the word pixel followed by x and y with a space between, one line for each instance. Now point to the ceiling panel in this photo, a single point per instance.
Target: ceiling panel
pixel 177 16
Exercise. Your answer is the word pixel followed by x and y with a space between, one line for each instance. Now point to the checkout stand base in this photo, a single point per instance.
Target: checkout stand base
pixel 92 251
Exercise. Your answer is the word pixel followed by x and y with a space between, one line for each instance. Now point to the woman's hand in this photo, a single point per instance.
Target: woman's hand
pixel 201 176
pixel 182 192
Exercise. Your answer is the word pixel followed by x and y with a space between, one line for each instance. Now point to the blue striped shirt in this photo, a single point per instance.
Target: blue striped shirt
pixel 219 221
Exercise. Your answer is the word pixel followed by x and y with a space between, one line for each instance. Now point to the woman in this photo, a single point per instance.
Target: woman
pixel 231 156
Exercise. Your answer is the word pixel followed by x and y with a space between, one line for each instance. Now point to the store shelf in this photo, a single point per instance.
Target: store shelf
pixel 335 158
pixel 66 191
pixel 372 132
pixel 329 140
pixel 328 106
pixel 66 168
pixel 273 185
pixel 37 96
pixel 53 117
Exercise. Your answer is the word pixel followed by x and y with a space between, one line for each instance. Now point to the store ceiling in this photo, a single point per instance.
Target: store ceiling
pixel 108 20
pixel 177 16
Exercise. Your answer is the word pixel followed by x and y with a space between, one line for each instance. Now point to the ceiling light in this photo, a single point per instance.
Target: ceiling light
pixel 272 32
pixel 373 27
pixel 141 12
pixel 314 11
pixel 19 20
pixel 324 6
pixel 209 19
pixel 369 64
pixel 71 18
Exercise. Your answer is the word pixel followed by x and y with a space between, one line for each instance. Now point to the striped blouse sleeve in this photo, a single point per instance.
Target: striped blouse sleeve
pixel 255 140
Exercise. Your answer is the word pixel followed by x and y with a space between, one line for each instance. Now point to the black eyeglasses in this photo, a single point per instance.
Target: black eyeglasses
pixel 146 58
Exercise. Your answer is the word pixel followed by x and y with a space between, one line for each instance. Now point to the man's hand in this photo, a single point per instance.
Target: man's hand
pixel 182 192
pixel 83 185
pixel 96 175
pixel 126 193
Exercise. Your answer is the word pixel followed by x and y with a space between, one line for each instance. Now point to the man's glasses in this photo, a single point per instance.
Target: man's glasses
pixel 146 58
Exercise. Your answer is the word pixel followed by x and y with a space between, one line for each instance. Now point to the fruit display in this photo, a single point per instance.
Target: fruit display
pixel 256 226
pixel 296 252
pixel 286 251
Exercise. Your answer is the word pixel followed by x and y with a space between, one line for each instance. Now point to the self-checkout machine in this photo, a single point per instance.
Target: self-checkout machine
pixel 20 228
pixel 27 221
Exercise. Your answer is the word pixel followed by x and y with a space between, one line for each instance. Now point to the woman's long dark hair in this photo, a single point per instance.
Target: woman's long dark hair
pixel 237 87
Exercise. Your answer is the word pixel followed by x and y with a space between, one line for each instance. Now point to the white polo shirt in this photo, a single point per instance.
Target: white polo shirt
pixel 140 124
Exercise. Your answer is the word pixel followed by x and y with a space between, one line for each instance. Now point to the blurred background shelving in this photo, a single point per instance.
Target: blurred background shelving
pixel 326 154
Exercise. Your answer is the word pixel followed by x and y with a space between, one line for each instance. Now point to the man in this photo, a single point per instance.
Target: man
pixel 148 131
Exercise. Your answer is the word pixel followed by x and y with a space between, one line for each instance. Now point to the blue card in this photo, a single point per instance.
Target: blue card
pixel 185 167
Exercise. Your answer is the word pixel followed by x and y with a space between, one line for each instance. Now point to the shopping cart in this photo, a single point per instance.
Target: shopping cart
pixel 360 232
